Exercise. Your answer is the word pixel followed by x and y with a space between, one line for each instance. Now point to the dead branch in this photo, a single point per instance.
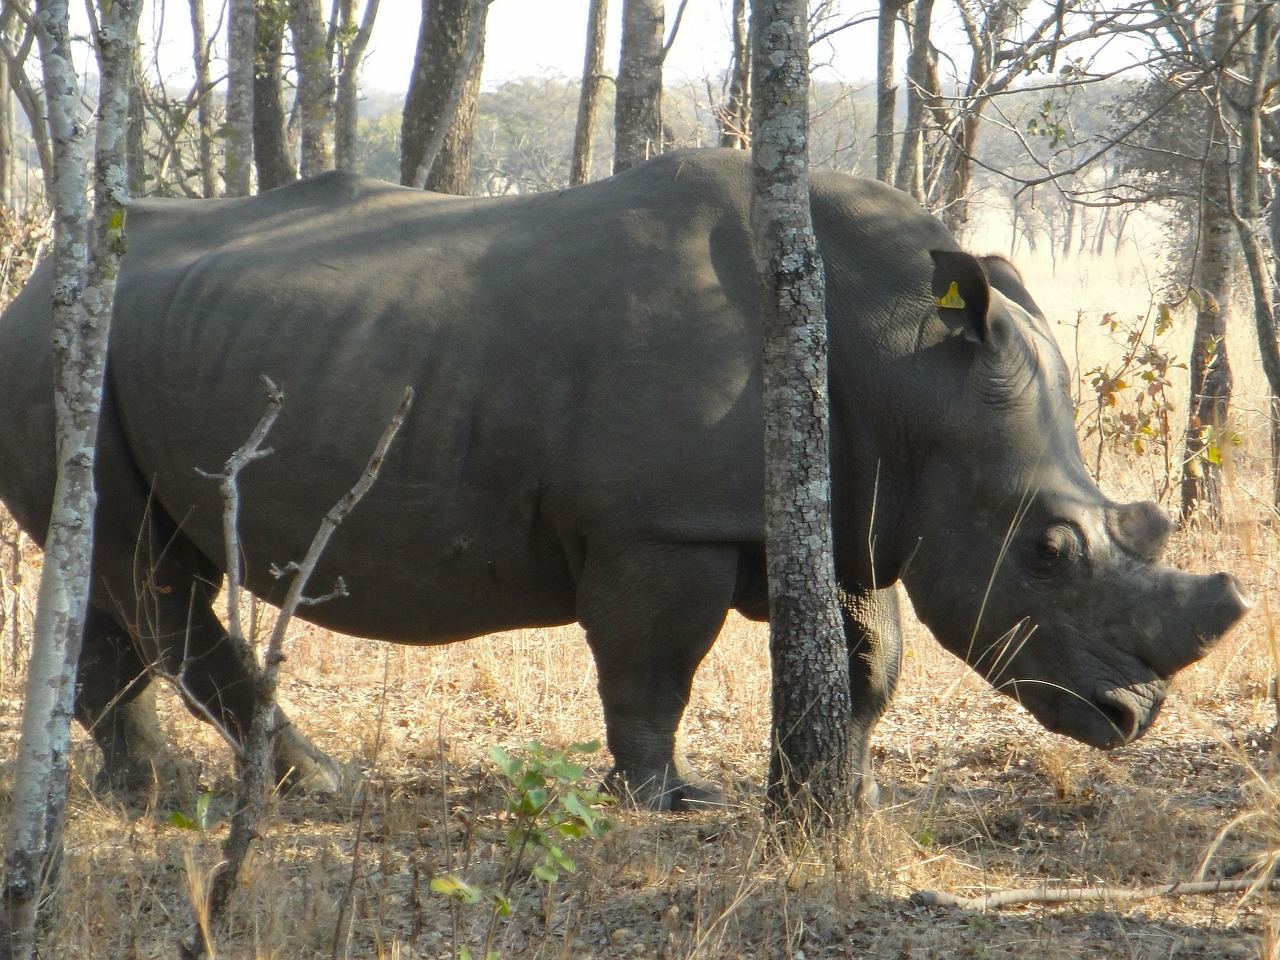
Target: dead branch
pixel 264 725
pixel 1101 894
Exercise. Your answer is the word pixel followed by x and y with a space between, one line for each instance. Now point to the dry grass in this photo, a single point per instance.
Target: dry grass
pixel 977 796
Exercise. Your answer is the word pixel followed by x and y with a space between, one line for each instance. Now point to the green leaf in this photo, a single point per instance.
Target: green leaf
pixel 546 873
pixel 455 888
pixel 180 820
pixel 202 810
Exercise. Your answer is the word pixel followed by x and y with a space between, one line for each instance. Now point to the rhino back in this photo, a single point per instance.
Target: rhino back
pixel 583 366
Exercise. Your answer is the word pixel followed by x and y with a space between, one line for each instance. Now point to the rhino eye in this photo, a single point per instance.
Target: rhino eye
pixel 1058 545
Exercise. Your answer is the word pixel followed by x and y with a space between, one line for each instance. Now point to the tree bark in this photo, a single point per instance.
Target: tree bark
pixel 886 89
pixel 637 120
pixel 136 129
pixel 86 257
pixel 31 100
pixel 910 176
pixel 241 28
pixel 315 85
pixel 812 762
pixel 589 95
pixel 1210 375
pixel 347 106
pixel 735 119
pixel 204 113
pixel 439 109
pixel 8 17
pixel 272 156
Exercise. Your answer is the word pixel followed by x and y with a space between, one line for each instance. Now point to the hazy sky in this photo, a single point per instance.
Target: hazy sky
pixel 526 37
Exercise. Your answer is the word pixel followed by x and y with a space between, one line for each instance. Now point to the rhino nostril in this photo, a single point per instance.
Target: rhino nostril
pixel 1123 716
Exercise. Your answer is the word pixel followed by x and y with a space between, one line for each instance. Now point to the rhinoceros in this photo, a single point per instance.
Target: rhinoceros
pixel 586 445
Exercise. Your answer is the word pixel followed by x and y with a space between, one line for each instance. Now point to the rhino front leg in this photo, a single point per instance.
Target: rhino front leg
pixel 873 630
pixel 651 612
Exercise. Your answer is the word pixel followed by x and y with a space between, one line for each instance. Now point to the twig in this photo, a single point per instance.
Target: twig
pixel 251 798
pixel 1008 898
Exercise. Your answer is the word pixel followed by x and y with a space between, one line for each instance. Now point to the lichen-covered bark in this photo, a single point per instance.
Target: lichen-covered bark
pixel 346 107
pixel 589 95
pixel 1210 375
pixel 812 764
pixel 440 106
pixel 886 90
pixel 272 156
pixel 735 118
pixel 910 175
pixel 637 117
pixel 239 124
pixel 315 85
pixel 82 292
pixel 204 114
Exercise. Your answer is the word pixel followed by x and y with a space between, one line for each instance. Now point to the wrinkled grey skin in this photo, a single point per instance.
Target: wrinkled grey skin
pixel 586 445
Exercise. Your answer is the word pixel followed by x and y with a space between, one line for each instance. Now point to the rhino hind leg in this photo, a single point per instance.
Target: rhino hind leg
pixel 873 630
pixel 115 703
pixel 651 612
pixel 159 590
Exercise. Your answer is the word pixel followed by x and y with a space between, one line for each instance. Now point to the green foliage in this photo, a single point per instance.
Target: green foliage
pixel 203 817
pixel 546 807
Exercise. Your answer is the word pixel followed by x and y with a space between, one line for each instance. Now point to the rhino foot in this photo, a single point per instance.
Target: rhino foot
pixel 664 790
pixel 302 767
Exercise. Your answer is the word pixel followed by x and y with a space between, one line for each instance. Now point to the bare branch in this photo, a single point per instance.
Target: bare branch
pixel 1009 898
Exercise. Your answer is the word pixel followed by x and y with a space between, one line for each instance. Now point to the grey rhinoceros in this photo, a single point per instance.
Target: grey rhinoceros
pixel 586 445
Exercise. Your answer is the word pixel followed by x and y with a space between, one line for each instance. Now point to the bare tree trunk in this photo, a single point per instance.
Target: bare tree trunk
pixel 31 100
pixel 8 16
pixel 910 176
pixel 735 119
pixel 136 129
pixel 347 106
pixel 272 157
pixel 241 28
pixel 86 257
pixel 1210 375
pixel 204 114
pixel 637 119
pixel 589 95
pixel 886 89
pixel 1249 218
pixel 811 768
pixel 315 85
pixel 439 109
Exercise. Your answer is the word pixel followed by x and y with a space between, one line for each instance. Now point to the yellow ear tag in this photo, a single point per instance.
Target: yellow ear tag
pixel 952 298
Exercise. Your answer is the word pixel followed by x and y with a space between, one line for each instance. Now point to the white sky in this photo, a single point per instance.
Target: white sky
pixel 525 37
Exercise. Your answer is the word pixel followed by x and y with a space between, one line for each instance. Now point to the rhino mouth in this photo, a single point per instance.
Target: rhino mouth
pixel 1112 716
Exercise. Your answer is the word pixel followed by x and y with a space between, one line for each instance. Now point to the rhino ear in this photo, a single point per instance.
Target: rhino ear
pixel 960 286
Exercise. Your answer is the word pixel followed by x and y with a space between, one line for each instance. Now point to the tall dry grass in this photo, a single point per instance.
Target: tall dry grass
pixel 976 795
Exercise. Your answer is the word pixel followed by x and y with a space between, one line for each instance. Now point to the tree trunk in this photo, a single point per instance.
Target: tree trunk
pixel 241 28
pixel 886 89
pixel 910 176
pixel 347 106
pixel 8 16
pixel 439 109
pixel 637 117
pixel 31 100
pixel 315 85
pixel 136 130
pixel 204 114
pixel 735 119
pixel 812 763
pixel 589 95
pixel 272 157
pixel 84 283
pixel 1249 219
pixel 1210 375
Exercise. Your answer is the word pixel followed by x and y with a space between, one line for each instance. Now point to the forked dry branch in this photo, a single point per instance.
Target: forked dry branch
pixel 263 728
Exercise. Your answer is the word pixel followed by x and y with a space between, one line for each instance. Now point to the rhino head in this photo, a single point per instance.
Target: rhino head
pixel 1015 560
